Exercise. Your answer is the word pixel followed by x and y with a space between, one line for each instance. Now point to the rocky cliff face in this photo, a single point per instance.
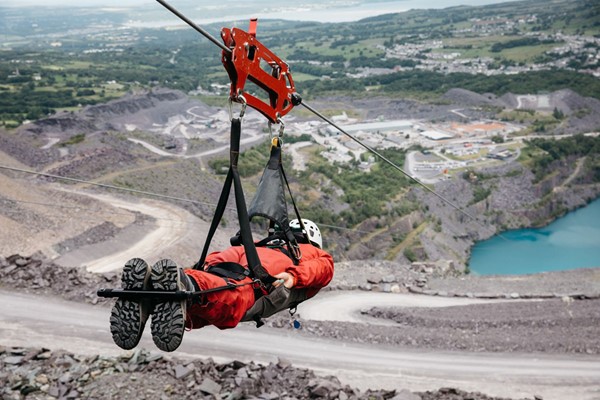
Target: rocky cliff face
pixel 516 200
pixel 142 109
pixel 582 114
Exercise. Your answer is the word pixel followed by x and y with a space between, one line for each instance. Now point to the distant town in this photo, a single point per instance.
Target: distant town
pixel 575 52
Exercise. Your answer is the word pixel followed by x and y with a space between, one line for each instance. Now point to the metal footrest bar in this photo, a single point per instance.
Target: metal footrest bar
pixel 148 294
pixel 163 295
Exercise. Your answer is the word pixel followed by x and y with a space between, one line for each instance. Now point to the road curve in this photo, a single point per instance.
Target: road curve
pixel 176 234
pixel 345 306
pixel 27 320
pixel 221 149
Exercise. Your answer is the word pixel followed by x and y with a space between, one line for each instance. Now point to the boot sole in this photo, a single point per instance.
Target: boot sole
pixel 168 318
pixel 126 318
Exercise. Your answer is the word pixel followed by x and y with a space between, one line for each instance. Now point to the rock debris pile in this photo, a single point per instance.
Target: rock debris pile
pixel 387 276
pixel 35 274
pixel 38 373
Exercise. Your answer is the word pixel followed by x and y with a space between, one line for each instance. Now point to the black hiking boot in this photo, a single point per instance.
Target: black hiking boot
pixel 168 318
pixel 128 318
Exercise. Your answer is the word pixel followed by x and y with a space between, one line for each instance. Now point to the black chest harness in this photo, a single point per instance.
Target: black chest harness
pixel 269 202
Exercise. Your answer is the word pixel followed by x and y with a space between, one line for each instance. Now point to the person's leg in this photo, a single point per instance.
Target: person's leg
pixel 223 309
pixel 168 318
pixel 128 318
pixel 278 300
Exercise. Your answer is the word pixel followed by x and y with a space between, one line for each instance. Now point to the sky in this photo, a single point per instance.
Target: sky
pixel 72 3
pixel 126 3
pixel 209 11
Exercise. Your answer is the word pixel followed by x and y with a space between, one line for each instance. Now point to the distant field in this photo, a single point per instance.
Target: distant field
pixel 481 47
pixel 300 77
pixel 527 54
pixel 365 48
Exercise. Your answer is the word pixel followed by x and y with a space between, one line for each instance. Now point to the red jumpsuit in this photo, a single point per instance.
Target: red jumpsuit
pixel 225 309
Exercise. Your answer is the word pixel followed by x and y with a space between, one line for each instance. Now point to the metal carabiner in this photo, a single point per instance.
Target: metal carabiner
pixel 240 99
pixel 270 125
pixel 281 126
pixel 295 250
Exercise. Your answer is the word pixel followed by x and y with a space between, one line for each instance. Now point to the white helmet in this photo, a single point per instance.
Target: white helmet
pixel 314 234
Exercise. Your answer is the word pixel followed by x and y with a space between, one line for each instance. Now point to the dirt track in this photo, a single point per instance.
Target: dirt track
pixel 346 306
pixel 551 326
pixel 175 232
pixel 83 329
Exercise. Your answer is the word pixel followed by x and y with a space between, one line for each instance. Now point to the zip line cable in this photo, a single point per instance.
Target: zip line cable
pixel 98 217
pixel 193 25
pixel 324 118
pixel 387 160
pixel 100 213
pixel 211 38
pixel 396 167
pixel 163 196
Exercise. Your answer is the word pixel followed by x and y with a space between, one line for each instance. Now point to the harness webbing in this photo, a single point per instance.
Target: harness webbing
pixel 270 200
pixel 230 270
pixel 304 233
pixel 233 177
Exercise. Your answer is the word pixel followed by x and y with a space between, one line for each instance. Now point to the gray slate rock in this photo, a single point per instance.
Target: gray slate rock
pixel 406 395
pixel 209 386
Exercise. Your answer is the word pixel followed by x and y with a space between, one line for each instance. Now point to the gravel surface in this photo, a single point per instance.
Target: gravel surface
pixel 566 321
pixel 556 325
pixel 40 276
pixel 547 326
pixel 583 282
pixel 552 326
pixel 97 234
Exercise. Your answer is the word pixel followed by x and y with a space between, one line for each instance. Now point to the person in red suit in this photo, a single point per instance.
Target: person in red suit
pixel 224 309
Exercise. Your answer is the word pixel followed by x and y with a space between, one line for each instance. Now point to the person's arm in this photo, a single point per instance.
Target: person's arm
pixel 315 269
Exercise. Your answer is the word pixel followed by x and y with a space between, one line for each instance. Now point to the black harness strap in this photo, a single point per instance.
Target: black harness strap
pixel 230 270
pixel 216 218
pixel 303 234
pixel 233 177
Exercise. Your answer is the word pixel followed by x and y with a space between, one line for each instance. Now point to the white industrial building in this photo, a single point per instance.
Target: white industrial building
pixel 436 135
pixel 373 127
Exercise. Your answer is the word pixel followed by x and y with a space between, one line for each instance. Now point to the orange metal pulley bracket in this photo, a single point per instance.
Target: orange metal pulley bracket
pixel 273 76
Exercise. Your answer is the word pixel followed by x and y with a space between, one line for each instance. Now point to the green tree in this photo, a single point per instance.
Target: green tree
pixel 557 114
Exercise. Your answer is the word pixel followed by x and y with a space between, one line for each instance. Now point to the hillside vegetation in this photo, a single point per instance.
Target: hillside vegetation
pixel 41 75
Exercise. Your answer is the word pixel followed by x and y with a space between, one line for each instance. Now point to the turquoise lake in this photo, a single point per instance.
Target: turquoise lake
pixel 570 242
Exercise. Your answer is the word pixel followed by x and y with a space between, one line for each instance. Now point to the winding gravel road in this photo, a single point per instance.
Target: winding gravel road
pixel 346 306
pixel 26 320
pixel 176 234
pixel 221 149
